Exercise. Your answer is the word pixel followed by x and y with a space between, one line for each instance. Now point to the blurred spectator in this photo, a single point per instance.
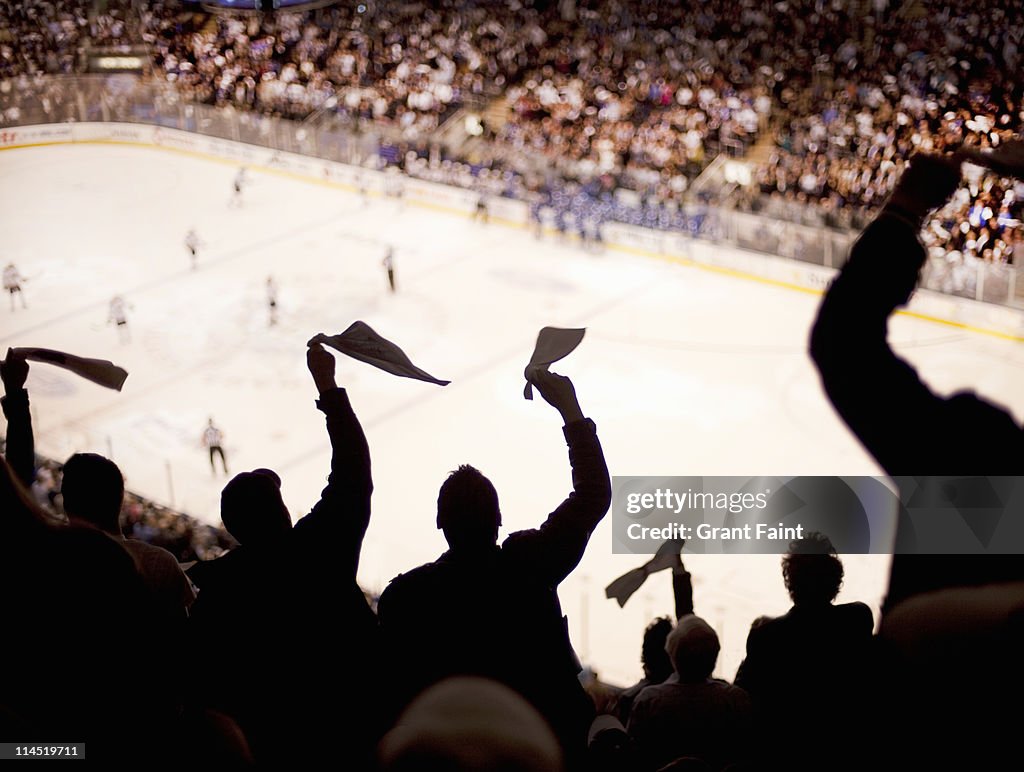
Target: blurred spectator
pixel 809 667
pixel 654 657
pixel 692 714
pixel 470 725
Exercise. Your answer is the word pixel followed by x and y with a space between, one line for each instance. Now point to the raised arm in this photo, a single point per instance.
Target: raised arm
pixel 902 423
pixel 682 589
pixel 20 441
pixel 339 520
pixel 554 549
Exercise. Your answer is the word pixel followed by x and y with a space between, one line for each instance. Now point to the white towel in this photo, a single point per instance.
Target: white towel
pixel 553 343
pixel 99 371
pixel 361 342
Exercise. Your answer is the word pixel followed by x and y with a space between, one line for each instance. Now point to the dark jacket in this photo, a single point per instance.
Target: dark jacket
pixel 495 612
pixel 288 622
pixel 709 720
pixel 811 648
pixel 908 428
pixel 808 672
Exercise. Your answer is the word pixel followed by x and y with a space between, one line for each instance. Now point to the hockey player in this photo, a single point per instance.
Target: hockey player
pixel 272 300
pixel 12 283
pixel 480 214
pixel 213 438
pixel 395 185
pixel 241 179
pixel 192 244
pixel 389 265
pixel 364 189
pixel 118 315
pixel 535 215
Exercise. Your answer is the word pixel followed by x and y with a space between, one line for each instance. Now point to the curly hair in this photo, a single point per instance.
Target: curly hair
pixel 656 662
pixel 811 570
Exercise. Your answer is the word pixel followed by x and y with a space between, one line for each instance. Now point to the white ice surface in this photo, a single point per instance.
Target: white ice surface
pixel 685 371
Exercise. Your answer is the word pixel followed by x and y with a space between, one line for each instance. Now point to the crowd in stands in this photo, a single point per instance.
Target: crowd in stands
pixel 40 37
pixel 407 65
pixel 585 86
pixel 864 93
pixel 44 36
pixel 650 91
pixel 641 95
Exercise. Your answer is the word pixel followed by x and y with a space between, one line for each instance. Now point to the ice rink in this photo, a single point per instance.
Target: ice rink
pixel 684 370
